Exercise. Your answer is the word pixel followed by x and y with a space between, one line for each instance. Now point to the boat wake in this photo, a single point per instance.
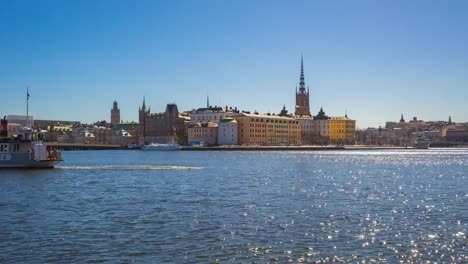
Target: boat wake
pixel 130 167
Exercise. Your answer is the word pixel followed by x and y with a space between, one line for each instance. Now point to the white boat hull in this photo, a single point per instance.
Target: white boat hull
pixel 22 160
pixel 160 147
pixel 422 145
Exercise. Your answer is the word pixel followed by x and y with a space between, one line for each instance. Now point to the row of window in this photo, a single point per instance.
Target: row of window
pixel 201 136
pixel 341 121
pixel 273 131
pixel 198 130
pixel 270 136
pixel 343 126
pixel 274 121
pixel 275 126
pixel 341 136
pixel 316 127
pixel 342 131
pixel 209 117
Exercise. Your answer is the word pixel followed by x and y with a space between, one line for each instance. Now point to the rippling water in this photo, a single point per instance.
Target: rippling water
pixel 238 207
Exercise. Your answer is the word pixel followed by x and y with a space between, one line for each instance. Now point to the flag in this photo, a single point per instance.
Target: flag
pixel 27 96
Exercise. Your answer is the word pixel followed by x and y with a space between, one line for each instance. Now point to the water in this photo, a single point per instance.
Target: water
pixel 238 207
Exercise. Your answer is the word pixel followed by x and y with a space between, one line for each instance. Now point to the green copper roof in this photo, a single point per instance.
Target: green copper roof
pixel 227 120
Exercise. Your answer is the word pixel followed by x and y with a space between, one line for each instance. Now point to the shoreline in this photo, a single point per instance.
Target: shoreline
pixel 69 146
pixel 287 148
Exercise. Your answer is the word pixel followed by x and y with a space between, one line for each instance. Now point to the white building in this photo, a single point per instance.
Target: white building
pixel 321 124
pixel 210 114
pixel 228 132
pixel 307 124
pixel 321 127
pixel 316 129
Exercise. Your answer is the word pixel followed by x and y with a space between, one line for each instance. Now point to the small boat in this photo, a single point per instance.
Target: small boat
pixel 421 143
pixel 25 150
pixel 160 147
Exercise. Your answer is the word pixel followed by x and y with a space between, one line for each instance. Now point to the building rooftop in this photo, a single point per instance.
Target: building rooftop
pixel 340 118
pixel 228 120
pixel 204 124
pixel 266 116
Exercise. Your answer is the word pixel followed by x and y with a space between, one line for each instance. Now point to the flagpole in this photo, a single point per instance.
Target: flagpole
pixel 27 106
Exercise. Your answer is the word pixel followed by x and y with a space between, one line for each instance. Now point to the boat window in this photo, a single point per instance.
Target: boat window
pixel 4 148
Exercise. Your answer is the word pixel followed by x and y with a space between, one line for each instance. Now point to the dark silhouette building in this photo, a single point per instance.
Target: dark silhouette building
pixel 115 114
pixel 164 127
pixel 142 113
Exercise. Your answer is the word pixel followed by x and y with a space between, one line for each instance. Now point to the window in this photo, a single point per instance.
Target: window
pixel 4 148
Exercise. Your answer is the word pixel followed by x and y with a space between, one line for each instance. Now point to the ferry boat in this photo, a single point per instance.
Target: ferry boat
pixel 421 143
pixel 163 147
pixel 25 150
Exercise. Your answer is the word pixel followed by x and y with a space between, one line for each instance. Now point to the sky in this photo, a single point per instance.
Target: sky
pixel 373 60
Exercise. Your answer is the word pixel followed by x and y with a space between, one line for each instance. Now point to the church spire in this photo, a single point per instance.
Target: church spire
pixel 207 101
pixel 143 108
pixel 301 80
pixel 302 96
pixel 402 120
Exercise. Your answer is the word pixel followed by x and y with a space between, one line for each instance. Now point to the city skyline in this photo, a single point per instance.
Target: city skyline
pixel 372 60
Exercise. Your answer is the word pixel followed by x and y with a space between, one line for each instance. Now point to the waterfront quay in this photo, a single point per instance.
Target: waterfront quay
pixel 287 148
pixel 260 148
pixel 79 146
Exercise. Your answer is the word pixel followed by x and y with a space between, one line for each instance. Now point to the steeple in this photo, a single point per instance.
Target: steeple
pixel 301 79
pixel 207 101
pixel 143 108
pixel 450 120
pixel 302 96
pixel 402 120
pixel 142 115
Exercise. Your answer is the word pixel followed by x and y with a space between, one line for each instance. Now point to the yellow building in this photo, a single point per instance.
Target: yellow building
pixel 342 130
pixel 205 132
pixel 255 129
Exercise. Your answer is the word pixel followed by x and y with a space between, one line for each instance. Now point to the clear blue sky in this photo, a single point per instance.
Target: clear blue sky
pixel 375 59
